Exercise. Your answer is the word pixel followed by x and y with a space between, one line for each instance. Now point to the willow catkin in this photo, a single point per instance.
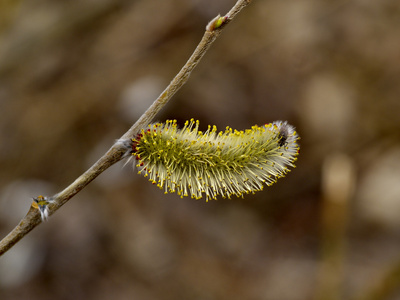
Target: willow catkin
pixel 190 162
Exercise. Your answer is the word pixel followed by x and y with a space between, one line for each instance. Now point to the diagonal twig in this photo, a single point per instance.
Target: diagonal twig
pixel 117 151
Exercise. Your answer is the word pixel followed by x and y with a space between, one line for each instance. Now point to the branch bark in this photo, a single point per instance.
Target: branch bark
pixel 117 151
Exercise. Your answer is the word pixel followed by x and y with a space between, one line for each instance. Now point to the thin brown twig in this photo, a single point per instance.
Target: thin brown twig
pixel 117 151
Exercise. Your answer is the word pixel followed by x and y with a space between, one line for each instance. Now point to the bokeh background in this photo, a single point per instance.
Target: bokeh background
pixel 74 75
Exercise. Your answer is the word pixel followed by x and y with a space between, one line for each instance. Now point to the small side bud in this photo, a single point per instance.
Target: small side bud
pixel 215 23
pixel 41 203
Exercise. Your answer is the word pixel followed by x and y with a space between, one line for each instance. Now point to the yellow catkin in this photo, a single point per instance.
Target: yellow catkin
pixel 194 163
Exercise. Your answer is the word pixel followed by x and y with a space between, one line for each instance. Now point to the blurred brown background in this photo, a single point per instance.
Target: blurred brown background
pixel 74 75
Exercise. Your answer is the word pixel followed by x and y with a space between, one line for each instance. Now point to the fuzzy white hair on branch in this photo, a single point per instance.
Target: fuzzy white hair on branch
pixel 192 163
pixel 42 203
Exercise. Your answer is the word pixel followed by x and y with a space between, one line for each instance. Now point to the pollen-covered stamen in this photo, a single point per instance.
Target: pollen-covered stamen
pixel 190 162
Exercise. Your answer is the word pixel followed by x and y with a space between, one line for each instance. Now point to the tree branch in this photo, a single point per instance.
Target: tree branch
pixel 117 151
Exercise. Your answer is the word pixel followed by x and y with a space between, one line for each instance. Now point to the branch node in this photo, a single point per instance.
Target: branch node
pixel 41 203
